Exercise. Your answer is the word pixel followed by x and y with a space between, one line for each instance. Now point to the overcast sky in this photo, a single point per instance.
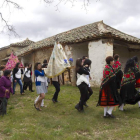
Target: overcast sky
pixel 38 20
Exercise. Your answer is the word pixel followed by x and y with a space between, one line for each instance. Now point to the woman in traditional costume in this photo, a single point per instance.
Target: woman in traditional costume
pixel 82 83
pixel 5 90
pixel 137 73
pixel 17 73
pixel 128 93
pixel 118 71
pixel 40 85
pixel 108 95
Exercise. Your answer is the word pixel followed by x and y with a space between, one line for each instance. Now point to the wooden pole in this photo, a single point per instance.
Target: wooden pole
pixel 69 75
pixel 63 78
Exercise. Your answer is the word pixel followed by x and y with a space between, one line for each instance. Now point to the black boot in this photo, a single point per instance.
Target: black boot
pixel 110 115
pixel 78 108
pixel 85 104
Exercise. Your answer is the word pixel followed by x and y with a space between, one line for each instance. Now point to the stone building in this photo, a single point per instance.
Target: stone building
pixel 6 51
pixel 96 40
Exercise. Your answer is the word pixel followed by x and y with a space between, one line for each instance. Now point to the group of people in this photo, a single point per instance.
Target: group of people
pixel 8 78
pixel 118 87
pixel 41 82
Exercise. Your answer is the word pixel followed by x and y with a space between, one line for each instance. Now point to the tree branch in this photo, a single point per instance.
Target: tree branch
pixel 9 28
pixel 10 3
pixel 17 6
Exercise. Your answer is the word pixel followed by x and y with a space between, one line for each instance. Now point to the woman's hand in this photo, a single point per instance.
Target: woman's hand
pixel 90 78
pixel 85 65
pixel 6 91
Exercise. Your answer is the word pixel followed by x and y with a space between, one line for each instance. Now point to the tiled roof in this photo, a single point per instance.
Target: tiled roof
pixel 24 43
pixel 6 47
pixel 92 31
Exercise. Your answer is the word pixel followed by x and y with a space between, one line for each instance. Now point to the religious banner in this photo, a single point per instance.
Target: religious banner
pixel 12 61
pixel 58 62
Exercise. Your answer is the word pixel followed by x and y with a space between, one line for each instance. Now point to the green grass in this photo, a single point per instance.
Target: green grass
pixel 61 121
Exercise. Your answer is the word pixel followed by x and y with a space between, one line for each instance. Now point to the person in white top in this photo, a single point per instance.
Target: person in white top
pixel 27 77
pixel 82 83
pixel 17 72
pixel 90 92
pixel 46 79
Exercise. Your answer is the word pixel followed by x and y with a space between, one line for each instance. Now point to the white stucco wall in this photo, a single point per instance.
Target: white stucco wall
pixel 97 53
pixel 76 51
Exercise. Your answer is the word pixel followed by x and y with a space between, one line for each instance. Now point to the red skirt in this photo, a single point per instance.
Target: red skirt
pixel 106 97
pixel 137 85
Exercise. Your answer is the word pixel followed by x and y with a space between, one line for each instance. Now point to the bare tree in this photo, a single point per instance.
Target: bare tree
pixel 8 27
pixel 8 3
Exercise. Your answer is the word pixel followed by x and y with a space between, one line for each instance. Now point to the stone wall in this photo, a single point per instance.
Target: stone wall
pixel 42 54
pixel 6 52
pixel 98 51
pixel 3 54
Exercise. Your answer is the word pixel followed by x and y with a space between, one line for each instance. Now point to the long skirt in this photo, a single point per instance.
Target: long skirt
pixel 119 76
pixel 137 84
pixel 129 95
pixel 107 98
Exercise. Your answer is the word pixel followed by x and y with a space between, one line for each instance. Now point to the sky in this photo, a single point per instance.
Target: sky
pixel 38 20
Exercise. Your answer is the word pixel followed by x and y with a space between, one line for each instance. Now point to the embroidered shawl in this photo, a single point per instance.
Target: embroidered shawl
pixel 117 66
pixel 108 73
pixel 137 67
pixel 128 77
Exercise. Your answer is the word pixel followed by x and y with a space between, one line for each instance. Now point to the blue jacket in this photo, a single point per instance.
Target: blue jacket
pixel 38 73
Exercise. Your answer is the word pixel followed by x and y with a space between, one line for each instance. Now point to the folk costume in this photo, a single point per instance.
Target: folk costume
pixel 108 94
pixel 137 75
pixel 128 93
pixel 118 72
